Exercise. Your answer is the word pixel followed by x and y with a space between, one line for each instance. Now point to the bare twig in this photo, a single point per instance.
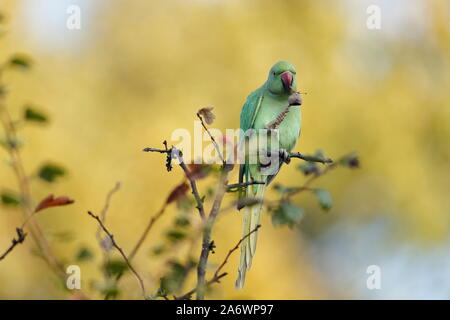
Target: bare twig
pixel 316 175
pixel 105 208
pixel 20 239
pixel 217 275
pixel 206 241
pixel 102 243
pixel 146 231
pixel 25 191
pixel 310 158
pixel 114 243
pixel 174 152
pixel 216 145
pixel 47 202
pixel 141 239
pixel 237 186
pixel 108 202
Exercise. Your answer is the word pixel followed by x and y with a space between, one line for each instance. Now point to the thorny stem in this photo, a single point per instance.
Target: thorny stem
pixel 206 241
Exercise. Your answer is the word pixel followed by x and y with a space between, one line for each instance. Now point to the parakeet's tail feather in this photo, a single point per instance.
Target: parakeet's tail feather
pixel 252 217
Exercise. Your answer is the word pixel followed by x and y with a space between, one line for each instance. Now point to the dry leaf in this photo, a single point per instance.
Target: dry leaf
pixel 295 99
pixel 207 114
pixel 198 171
pixel 178 192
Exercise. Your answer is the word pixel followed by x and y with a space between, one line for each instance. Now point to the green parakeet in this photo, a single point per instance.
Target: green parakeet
pixel 261 107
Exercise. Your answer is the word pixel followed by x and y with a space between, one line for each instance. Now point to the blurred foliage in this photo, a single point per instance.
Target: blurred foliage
pixel 10 199
pixel 50 172
pixel 84 254
pixel 32 114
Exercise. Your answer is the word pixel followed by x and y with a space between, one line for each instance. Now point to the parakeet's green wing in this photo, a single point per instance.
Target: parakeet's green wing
pixel 248 116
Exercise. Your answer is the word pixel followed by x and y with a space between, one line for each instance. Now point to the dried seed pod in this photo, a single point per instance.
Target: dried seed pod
pixel 295 99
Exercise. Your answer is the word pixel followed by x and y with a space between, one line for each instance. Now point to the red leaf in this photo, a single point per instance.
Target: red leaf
pixel 178 192
pixel 198 171
pixel 50 201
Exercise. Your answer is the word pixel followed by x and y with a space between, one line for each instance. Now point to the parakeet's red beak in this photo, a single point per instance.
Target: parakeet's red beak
pixel 287 78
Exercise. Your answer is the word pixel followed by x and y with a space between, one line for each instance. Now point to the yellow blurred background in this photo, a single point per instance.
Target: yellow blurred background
pixel 137 70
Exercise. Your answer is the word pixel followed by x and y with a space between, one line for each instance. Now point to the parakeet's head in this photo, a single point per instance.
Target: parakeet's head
pixel 281 79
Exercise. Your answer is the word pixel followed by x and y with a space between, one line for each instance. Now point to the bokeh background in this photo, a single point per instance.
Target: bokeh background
pixel 137 70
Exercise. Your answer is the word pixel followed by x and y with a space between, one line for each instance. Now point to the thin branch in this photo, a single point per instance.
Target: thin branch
pixel 146 231
pixel 156 150
pixel 20 239
pixel 237 186
pixel 310 158
pixel 102 243
pixel 105 208
pixel 25 191
pixel 174 152
pixel 217 275
pixel 206 241
pixel 141 240
pixel 305 186
pixel 114 243
pixel 108 201
pixel 216 145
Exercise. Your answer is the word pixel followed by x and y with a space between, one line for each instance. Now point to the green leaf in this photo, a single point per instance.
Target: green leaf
pixel 116 267
pixel 287 214
pixel 161 293
pixel 20 61
pixel 282 190
pixel 31 114
pixel 324 197
pixel 10 199
pixel 111 291
pixel 308 168
pixel 64 236
pixel 158 250
pixel 84 254
pixel 182 221
pixel 351 160
pixel 175 235
pixel 174 280
pixel 50 172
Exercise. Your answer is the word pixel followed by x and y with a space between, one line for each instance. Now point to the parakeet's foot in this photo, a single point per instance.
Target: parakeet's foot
pixel 285 156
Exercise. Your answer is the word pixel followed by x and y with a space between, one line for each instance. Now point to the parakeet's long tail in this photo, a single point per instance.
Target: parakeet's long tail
pixel 252 216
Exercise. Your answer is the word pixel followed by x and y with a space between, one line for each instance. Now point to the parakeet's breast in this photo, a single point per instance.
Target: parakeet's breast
pixel 289 129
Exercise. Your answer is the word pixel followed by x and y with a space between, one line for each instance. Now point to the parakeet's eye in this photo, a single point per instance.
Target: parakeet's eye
pixel 274 73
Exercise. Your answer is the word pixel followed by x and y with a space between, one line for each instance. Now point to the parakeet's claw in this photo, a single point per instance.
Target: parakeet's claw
pixel 285 156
